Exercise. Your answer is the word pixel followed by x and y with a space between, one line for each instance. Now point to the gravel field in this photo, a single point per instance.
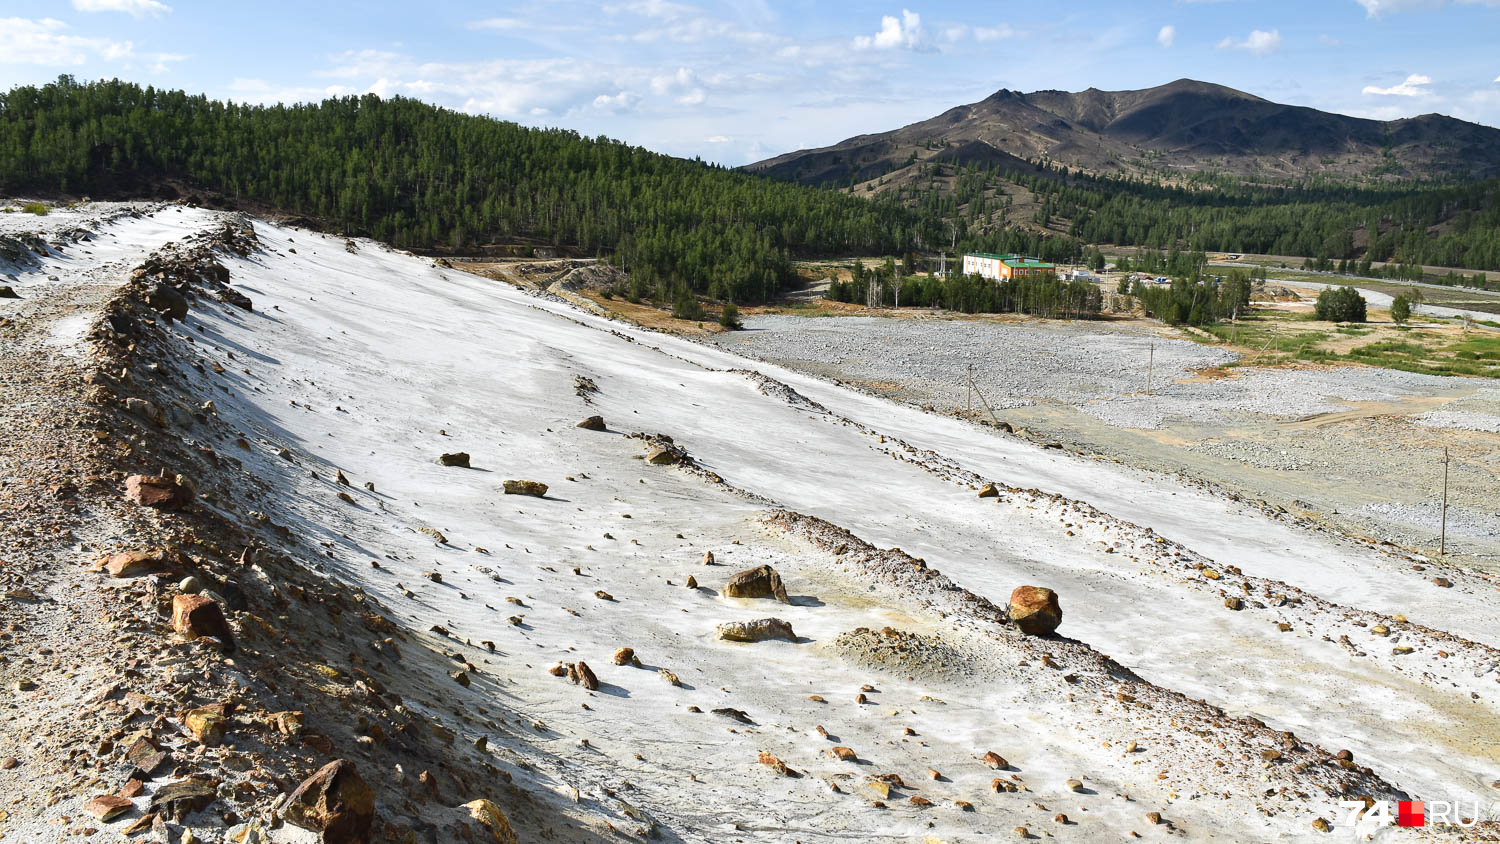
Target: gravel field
pixel 1014 363
pixel 1360 446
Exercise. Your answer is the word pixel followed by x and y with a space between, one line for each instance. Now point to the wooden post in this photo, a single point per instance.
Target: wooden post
pixel 969 403
pixel 1443 536
pixel 1150 364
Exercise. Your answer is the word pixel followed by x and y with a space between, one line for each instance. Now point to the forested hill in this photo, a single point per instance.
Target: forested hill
pixel 419 176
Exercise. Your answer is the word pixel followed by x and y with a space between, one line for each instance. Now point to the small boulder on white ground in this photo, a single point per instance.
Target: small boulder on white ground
pixel 759 630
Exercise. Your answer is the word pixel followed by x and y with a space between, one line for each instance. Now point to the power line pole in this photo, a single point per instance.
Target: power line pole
pixel 1443 536
pixel 1150 364
pixel 969 404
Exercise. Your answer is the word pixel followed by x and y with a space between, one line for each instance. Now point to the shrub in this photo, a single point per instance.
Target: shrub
pixel 1340 305
pixel 686 306
pixel 36 208
pixel 729 317
pixel 1400 310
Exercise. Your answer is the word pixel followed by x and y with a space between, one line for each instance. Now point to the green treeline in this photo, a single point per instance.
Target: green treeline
pixel 1199 301
pixel 419 176
pixel 1455 226
pixel 1040 295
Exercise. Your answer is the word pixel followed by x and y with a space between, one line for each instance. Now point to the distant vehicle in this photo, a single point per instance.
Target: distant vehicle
pixel 1161 279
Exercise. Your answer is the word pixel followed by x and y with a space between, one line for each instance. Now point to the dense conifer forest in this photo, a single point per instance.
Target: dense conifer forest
pixel 419 176
pixel 1415 224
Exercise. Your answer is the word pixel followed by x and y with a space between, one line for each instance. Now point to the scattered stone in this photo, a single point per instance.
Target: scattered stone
pixel 435 577
pixel 759 582
pixel 167 302
pixel 625 656
pixel 692 582
pixel 159 492
pixel 1153 818
pixel 777 765
pixel 175 801
pixel 208 724
pixel 146 755
pixel 532 488
pixel 580 673
pixel 1443 582
pixel 1234 602
pixel 494 819
pixel 197 615
pixel 457 458
pixel 920 801
pixel 593 423
pixel 996 761
pixel 135 563
pixel 335 802
pixel 758 630
pixel 662 456
pixel 603 595
pixel 988 491
pixel 669 676
pixel 1075 785
pixel 106 807
pixel 843 754
pixel 708 558
pixel 1035 610
pixel 1320 825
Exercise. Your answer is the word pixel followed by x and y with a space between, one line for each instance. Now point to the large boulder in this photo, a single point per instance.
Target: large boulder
pixel 8 292
pixel 335 802
pixel 1035 610
pixel 158 491
pixel 593 423
pixel 759 630
pixel 457 458
pixel 759 582
pixel 198 615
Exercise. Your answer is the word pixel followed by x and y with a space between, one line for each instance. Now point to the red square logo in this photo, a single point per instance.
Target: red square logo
pixel 1410 813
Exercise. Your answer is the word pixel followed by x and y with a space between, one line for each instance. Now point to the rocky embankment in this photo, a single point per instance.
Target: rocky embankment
pixel 172 673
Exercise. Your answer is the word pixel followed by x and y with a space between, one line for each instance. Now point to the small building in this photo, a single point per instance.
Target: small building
pixel 1004 267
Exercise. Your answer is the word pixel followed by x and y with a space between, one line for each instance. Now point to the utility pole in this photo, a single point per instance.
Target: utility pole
pixel 969 403
pixel 1150 364
pixel 1443 536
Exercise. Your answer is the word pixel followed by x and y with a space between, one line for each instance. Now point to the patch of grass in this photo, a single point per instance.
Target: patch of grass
pixel 1352 331
pixel 36 208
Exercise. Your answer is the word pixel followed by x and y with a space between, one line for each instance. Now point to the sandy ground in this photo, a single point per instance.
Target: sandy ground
pixel 1244 648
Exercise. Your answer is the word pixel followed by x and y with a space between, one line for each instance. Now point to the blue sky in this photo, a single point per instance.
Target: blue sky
pixel 736 82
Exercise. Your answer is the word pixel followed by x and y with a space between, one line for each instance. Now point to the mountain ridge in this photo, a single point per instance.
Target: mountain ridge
pixel 1180 129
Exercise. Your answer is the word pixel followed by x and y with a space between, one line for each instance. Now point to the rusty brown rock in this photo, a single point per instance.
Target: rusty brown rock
pixel 759 582
pixel 580 673
pixel 1035 610
pixel 134 563
pixel 334 802
pixel 196 615
pixel 494 819
pixel 159 492
pixel 996 761
pixel 107 807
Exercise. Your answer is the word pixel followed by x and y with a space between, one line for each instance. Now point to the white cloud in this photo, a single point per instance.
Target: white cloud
pixel 46 42
pixel 994 33
pixel 135 8
pixel 903 33
pixel 1167 35
pixel 1412 87
pixel 1328 40
pixel 618 103
pixel 1259 42
pixel 1377 8
pixel 718 139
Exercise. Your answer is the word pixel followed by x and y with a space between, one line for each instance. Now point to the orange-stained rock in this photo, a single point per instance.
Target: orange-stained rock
pixel 335 802
pixel 1035 610
pixel 196 615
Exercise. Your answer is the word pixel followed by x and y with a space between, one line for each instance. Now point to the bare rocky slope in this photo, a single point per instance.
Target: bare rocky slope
pixel 303 539
pixel 1184 126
